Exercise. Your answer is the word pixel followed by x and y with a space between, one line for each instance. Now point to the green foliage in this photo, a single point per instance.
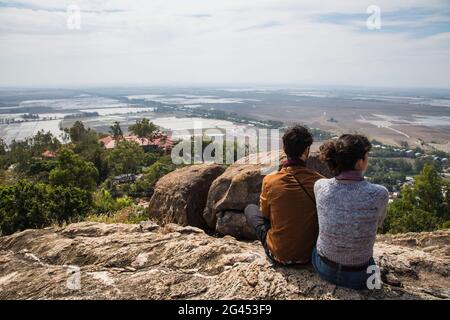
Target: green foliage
pixel 145 186
pixel 3 151
pixel 79 134
pixel 104 203
pixel 413 219
pixel 419 164
pixel 36 205
pixel 85 143
pixel 423 207
pixel 72 171
pixel 42 141
pixel 116 131
pixel 25 152
pixel 126 157
pixel 3 147
pixel 151 157
pixel 39 169
pixel 388 172
pixel 430 192
pixel 144 129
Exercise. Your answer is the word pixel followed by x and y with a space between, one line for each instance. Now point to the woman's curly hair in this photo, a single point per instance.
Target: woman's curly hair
pixel 342 154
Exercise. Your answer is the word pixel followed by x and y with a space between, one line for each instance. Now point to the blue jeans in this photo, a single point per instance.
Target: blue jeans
pixel 349 279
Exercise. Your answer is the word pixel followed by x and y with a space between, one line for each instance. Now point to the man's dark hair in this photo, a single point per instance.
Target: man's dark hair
pixel 296 140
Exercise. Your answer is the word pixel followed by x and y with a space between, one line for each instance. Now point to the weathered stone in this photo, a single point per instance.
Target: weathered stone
pixel 119 261
pixel 239 186
pixel 180 196
pixel 230 223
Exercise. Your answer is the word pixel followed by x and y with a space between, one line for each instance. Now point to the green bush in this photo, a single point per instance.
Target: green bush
pixel 446 225
pixel 104 203
pixel 72 171
pixel 425 206
pixel 413 220
pixel 36 205
pixel 145 186
pixel 127 157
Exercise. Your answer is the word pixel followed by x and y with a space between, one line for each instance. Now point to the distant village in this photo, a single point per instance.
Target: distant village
pixel 386 151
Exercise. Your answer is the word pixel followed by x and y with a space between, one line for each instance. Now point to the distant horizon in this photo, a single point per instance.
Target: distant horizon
pixel 216 86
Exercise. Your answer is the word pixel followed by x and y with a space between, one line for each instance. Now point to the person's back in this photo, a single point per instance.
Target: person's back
pixel 286 220
pixel 349 214
pixel 291 211
pixel 350 210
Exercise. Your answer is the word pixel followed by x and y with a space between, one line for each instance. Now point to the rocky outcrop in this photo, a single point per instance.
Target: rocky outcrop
pixel 180 196
pixel 212 198
pixel 119 261
pixel 239 186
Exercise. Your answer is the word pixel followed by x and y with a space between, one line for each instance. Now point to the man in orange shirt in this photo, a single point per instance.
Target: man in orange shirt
pixel 286 220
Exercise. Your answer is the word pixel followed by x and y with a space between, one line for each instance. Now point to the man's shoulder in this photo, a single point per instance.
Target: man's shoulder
pixel 270 177
pixel 315 174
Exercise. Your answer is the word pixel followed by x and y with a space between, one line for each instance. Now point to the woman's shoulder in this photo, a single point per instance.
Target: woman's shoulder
pixel 322 183
pixel 377 190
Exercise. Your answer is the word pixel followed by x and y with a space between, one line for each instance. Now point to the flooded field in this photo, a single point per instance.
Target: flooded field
pixel 390 117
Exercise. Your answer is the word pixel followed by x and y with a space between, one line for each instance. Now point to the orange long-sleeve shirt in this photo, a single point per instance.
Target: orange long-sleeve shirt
pixel 292 214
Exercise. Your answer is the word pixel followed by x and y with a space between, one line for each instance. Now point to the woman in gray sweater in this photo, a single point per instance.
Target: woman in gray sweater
pixel 350 209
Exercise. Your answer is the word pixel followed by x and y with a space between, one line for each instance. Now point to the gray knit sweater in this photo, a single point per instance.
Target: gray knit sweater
pixel 349 214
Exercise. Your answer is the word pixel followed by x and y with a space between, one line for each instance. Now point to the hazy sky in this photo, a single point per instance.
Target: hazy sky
pixel 201 42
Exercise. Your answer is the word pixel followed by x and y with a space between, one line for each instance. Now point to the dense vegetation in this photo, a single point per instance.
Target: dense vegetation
pixel 424 206
pixel 77 180
pixel 43 181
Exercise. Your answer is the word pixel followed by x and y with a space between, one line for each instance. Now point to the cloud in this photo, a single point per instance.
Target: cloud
pixel 416 22
pixel 265 25
pixel 233 41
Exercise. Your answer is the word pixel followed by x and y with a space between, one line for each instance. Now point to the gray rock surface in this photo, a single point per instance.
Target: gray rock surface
pixel 119 261
pixel 180 196
pixel 239 186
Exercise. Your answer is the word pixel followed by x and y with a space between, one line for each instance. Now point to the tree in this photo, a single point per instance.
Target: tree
pixel 116 131
pixel 35 205
pixel 429 191
pixel 105 203
pixel 42 141
pixel 77 132
pixel 126 157
pixel 72 171
pixel 25 154
pixel 3 150
pixel 19 154
pixel 3 147
pixel 145 129
pixel 87 146
pixel 423 207
pixel 145 187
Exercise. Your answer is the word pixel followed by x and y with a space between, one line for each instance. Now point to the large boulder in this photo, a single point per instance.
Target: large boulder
pixel 239 186
pixel 122 261
pixel 180 196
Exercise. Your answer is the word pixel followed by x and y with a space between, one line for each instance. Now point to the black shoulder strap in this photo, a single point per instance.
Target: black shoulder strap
pixel 303 187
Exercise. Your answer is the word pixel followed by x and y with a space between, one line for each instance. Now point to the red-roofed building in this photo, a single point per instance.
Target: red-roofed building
pixel 164 142
pixel 108 142
pixel 48 154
